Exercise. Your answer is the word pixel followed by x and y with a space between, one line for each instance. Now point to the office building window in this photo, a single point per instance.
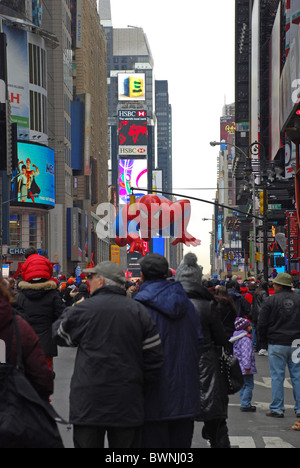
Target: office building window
pixel 15 230
pixel 33 231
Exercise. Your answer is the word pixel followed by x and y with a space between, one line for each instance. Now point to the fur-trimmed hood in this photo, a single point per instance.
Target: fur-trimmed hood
pixel 46 286
pixel 36 290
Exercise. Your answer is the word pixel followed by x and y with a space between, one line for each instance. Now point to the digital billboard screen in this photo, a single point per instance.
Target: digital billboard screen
pixel 131 87
pixel 132 173
pixel 132 133
pixel 34 181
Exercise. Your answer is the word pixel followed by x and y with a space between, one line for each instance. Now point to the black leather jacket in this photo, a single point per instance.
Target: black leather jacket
pixel 279 319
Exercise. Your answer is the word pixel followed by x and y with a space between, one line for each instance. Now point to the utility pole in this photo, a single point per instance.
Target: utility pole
pixel 265 231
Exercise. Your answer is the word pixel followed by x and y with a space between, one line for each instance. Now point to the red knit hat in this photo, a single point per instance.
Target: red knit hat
pixel 37 266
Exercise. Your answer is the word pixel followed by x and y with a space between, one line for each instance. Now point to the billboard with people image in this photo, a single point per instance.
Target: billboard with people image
pixel 34 180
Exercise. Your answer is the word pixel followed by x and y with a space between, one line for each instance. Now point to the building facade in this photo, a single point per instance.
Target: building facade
pixel 58 99
pixel 29 183
pixel 266 161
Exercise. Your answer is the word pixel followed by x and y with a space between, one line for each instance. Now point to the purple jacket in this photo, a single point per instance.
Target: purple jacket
pixel 243 350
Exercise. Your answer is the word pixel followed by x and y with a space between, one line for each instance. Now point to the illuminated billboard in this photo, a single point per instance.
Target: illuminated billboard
pixel 132 173
pixel 34 182
pixel 18 78
pixel 133 133
pixel 131 87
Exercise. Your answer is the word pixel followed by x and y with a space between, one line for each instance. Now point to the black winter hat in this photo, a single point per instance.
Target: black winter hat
pixel 154 266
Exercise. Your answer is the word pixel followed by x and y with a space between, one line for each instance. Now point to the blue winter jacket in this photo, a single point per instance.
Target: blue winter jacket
pixel 176 393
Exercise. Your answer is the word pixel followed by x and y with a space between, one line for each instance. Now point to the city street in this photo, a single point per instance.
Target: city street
pixel 246 430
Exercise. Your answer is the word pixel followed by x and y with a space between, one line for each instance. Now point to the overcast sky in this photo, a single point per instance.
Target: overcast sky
pixel 192 44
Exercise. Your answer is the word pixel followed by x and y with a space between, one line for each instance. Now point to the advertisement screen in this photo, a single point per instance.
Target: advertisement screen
pixel 132 173
pixel 34 182
pixel 131 87
pixel 18 77
pixel 133 133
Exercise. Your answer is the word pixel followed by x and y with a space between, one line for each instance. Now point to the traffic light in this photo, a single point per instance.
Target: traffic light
pixel 261 202
pixel 259 257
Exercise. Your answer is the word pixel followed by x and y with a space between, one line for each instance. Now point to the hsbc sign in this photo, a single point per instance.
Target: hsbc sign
pixel 133 151
pixel 135 115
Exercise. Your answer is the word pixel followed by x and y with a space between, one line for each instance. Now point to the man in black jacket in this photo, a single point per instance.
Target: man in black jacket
pixel 119 352
pixel 279 326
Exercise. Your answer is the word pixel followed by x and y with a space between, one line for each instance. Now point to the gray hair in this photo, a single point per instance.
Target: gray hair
pixel 109 282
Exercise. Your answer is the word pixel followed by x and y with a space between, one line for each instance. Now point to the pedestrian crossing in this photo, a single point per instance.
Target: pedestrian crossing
pixel 269 443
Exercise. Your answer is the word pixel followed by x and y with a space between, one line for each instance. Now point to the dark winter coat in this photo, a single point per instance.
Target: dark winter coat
pixel 42 305
pixel 227 314
pixel 176 394
pixel 34 359
pixel 279 319
pixel 257 303
pixel 213 394
pixel 119 352
pixel 242 306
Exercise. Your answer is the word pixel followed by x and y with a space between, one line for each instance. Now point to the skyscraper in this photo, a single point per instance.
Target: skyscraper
pixel 163 112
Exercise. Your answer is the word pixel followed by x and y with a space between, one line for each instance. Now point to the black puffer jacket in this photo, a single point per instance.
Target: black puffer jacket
pixel 279 319
pixel 213 394
pixel 42 306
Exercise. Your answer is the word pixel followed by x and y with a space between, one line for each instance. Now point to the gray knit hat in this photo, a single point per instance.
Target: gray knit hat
pixel 189 269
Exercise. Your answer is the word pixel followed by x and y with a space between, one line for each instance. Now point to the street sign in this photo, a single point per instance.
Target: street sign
pixel 275 207
pixel 292 215
pixel 293 241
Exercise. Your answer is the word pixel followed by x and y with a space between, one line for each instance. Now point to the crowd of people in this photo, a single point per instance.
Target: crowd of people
pixel 148 353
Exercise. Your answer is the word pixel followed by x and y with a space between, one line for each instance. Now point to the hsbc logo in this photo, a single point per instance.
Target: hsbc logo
pixel 133 150
pixel 140 115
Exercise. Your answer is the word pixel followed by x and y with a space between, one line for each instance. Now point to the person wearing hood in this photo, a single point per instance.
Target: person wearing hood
pixel 82 293
pixel 172 402
pixel 213 394
pixel 243 350
pixel 242 306
pixel 40 300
